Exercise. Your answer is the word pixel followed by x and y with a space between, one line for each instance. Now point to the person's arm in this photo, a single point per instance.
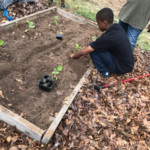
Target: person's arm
pixel 82 52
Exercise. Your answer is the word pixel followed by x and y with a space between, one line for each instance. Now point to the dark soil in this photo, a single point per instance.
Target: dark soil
pixel 27 57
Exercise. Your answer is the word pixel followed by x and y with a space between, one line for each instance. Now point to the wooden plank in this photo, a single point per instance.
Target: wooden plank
pixel 22 20
pixel 70 16
pixel 76 18
pixel 48 134
pixel 21 124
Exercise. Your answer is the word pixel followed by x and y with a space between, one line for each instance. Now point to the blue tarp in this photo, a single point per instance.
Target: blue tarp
pixel 5 3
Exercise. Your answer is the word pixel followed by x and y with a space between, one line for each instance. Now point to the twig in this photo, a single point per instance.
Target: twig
pixel 3 135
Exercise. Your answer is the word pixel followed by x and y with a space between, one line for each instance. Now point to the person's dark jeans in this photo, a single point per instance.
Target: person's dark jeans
pixel 132 33
pixel 103 62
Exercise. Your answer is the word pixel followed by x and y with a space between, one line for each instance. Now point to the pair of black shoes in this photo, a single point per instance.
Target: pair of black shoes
pixel 63 6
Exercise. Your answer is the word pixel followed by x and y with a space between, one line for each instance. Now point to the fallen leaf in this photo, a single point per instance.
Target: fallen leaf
pixel 9 105
pixel 14 148
pixel 19 80
pixel 59 93
pixel 134 129
pixel 8 139
pixel 1 94
pixel 14 138
pixel 22 147
pixel 142 146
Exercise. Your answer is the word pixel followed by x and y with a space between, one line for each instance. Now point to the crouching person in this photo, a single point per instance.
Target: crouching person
pixel 111 52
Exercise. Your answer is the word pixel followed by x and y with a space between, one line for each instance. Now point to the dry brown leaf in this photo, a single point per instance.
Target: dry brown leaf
pixel 1 94
pixel 134 129
pixel 20 81
pixel 22 147
pixel 67 122
pixel 84 98
pixel 14 138
pixel 9 105
pixel 2 129
pixel 59 93
pixel 142 146
pixel 121 142
pixel 14 148
pixel 8 139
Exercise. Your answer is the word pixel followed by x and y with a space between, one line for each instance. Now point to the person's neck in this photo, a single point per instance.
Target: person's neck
pixel 108 26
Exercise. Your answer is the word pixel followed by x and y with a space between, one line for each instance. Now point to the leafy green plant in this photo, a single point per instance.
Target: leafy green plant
pixel 1 42
pixel 56 20
pixel 56 71
pixel 94 38
pixel 31 24
pixel 26 30
pixel 77 48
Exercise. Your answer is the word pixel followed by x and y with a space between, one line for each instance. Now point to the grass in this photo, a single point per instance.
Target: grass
pixel 88 9
pixel 144 40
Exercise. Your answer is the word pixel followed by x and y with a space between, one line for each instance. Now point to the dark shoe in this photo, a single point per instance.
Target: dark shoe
pixel 63 6
pixel 106 74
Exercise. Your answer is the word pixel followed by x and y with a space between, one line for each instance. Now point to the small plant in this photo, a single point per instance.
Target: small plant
pixel 1 42
pixel 56 20
pixel 26 30
pixel 94 38
pixel 77 48
pixel 31 24
pixel 56 71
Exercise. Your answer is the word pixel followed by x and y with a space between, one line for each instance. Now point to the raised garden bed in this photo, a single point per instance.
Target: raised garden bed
pixel 29 54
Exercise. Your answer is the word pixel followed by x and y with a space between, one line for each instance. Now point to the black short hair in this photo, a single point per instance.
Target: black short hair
pixel 105 14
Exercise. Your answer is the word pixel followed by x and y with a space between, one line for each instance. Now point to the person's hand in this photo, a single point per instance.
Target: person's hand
pixel 71 56
pixel 148 28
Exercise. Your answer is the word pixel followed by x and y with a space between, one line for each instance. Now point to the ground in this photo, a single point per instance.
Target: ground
pixel 116 118
pixel 36 53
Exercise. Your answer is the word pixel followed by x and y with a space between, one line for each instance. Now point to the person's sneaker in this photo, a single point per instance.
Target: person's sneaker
pixel 106 74
pixel 63 6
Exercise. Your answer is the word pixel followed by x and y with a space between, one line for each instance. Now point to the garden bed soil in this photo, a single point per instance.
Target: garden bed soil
pixel 27 56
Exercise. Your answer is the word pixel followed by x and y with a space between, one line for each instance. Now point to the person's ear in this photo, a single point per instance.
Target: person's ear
pixel 105 22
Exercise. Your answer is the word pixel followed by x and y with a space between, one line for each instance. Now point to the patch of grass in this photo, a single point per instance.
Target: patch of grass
pixel 79 7
pixel 88 9
pixel 144 40
pixel 116 19
pixel 57 2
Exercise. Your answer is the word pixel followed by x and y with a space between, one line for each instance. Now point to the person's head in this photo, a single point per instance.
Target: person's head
pixel 104 18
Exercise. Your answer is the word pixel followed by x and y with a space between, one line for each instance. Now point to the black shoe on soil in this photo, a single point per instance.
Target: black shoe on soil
pixel 63 6
pixel 106 74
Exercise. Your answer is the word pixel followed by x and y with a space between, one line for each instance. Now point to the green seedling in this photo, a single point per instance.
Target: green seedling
pixel 31 24
pixel 94 38
pixel 26 30
pixel 56 71
pixel 1 42
pixel 56 20
pixel 77 48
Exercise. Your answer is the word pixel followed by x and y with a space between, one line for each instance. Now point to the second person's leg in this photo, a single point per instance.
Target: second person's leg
pixel 103 62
